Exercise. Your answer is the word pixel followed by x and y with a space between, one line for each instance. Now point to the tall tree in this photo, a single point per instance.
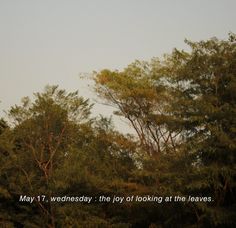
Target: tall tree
pixel 53 148
pixel 204 84
pixel 184 104
pixel 42 133
pixel 137 97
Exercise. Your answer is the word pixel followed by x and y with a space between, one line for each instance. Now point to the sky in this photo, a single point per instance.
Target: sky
pixel 54 41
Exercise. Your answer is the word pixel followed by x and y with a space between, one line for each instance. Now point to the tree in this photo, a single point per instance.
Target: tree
pixel 53 148
pixel 184 107
pixel 204 84
pixel 42 134
pixel 145 103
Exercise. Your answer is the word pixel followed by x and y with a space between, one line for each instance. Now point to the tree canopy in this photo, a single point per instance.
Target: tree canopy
pixel 182 108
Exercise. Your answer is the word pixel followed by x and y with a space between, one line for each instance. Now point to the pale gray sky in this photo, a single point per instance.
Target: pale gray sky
pixel 52 41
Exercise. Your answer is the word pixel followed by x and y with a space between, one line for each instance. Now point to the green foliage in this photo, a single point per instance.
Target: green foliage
pixel 183 110
pixel 54 148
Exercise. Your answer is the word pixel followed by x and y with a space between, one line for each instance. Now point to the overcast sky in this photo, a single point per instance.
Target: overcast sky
pixel 52 41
